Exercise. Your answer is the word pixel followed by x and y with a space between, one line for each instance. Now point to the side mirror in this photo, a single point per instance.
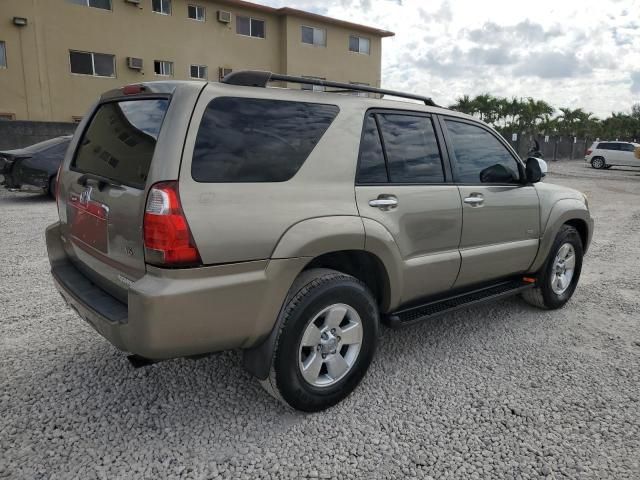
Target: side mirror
pixel 536 168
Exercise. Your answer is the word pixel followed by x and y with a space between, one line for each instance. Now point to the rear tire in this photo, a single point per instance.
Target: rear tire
pixel 327 339
pixel 598 163
pixel 559 276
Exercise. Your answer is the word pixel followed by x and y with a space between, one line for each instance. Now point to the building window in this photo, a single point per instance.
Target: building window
pixel 76 118
pixel 3 54
pixel 5 117
pixel 198 71
pixel 196 12
pixel 314 36
pixel 315 88
pixel 249 27
pixel 223 72
pixel 95 64
pixel 163 68
pixel 161 6
pixel 102 4
pixel 359 44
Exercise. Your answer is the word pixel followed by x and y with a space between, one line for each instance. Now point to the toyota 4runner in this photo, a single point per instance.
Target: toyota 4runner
pixel 198 217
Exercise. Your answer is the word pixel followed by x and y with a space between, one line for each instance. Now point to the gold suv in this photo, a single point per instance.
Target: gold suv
pixel 198 217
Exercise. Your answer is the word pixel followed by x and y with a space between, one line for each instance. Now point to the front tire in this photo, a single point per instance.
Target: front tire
pixel 327 339
pixel 598 163
pixel 559 277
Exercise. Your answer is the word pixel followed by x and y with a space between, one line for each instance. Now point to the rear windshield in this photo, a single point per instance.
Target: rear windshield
pixel 256 140
pixel 120 141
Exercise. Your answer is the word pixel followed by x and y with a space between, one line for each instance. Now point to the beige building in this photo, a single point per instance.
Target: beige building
pixel 58 56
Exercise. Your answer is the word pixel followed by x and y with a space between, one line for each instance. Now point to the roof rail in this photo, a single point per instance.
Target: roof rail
pixel 259 78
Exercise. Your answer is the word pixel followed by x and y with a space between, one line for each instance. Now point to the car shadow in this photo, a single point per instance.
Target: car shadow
pixel 96 384
pixel 26 198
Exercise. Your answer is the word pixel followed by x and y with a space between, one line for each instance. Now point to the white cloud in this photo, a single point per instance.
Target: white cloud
pixel 568 53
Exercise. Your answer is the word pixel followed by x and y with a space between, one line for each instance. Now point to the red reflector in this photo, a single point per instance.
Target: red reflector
pixel 167 238
pixel 133 89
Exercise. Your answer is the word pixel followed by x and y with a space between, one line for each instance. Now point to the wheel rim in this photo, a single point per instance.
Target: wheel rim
pixel 598 163
pixel 563 269
pixel 330 345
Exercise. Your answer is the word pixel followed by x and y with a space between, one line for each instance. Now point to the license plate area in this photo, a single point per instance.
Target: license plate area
pixel 89 221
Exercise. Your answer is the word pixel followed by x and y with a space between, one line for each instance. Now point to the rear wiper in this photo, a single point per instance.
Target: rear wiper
pixel 101 181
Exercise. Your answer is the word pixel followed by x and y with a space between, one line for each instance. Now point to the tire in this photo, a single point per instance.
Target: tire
pixel 598 163
pixel 51 190
pixel 546 294
pixel 319 299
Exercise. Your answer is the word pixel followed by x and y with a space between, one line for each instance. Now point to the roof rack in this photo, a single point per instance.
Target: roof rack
pixel 259 78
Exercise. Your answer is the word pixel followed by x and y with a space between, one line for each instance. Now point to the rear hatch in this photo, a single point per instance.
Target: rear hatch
pixel 103 191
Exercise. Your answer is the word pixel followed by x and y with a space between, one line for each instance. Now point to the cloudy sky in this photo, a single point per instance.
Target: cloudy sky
pixel 571 53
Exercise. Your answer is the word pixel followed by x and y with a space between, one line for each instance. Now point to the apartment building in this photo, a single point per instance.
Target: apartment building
pixel 58 56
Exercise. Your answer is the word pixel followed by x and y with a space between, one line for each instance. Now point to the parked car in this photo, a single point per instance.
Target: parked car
pixel 200 217
pixel 611 154
pixel 35 166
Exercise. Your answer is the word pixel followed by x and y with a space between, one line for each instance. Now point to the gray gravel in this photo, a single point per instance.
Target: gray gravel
pixel 497 391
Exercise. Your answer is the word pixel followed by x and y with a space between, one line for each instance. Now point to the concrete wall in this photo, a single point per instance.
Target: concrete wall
pixel 38 84
pixel 20 134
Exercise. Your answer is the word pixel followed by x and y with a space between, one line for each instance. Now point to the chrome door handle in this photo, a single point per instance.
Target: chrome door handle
pixel 473 200
pixel 384 203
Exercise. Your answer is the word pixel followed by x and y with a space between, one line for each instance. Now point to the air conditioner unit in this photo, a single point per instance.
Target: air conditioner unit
pixel 134 63
pixel 224 17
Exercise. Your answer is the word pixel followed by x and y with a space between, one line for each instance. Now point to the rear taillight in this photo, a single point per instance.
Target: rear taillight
pixel 588 152
pixel 167 238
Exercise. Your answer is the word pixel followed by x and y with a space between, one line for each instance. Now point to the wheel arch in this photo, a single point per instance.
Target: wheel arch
pixel 564 212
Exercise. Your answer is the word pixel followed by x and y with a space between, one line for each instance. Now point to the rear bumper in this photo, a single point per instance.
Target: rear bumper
pixel 179 312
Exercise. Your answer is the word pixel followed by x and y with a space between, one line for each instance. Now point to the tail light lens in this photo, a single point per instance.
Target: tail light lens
pixel 167 238
pixel 588 152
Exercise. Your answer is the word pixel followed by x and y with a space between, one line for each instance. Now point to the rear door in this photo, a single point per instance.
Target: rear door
pixel 404 183
pixel 500 214
pixel 102 204
pixel 627 155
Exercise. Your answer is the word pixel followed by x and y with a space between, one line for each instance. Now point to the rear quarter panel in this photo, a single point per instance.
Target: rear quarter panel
pixel 234 222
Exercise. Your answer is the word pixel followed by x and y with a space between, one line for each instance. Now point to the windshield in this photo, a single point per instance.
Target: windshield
pixel 39 147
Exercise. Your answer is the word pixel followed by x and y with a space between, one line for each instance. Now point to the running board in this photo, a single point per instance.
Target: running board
pixel 419 313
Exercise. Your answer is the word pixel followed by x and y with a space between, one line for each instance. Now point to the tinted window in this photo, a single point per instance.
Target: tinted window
pixel 412 149
pixel 371 167
pixel 609 146
pixel 627 147
pixel 479 156
pixel 120 141
pixel 255 140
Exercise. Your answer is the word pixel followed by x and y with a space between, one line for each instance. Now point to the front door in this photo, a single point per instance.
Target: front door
pixel 402 183
pixel 500 214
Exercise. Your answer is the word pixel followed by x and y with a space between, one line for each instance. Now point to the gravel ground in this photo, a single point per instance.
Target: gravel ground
pixel 496 391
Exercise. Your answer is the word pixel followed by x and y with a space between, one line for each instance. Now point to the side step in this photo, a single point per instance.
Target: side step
pixel 419 313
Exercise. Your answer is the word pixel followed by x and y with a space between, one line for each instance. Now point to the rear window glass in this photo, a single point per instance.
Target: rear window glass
pixel 256 140
pixel 120 141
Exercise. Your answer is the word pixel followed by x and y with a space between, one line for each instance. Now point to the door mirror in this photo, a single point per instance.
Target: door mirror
pixel 497 173
pixel 536 169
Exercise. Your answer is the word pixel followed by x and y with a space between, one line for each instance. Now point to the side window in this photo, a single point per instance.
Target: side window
pixel 412 149
pixel 257 140
pixel 627 147
pixel 371 167
pixel 479 156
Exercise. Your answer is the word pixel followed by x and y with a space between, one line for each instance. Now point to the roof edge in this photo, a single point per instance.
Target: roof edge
pixel 294 12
